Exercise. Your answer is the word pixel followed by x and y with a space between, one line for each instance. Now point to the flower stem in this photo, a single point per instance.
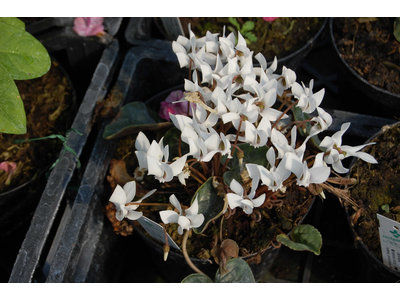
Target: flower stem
pixel 185 254
pixel 286 110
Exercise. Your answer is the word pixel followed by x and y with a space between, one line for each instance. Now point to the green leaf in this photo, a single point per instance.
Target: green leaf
pixel 23 56
pixel 12 112
pixel 234 22
pixel 132 118
pixel 247 26
pixel 238 272
pixel 396 31
pixel 304 238
pixel 197 278
pixel 251 155
pixel 13 21
pixel 211 199
pixel 251 36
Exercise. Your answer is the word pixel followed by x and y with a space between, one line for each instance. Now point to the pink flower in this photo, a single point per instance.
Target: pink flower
pixel 89 26
pixel 269 19
pixel 168 106
pixel 8 167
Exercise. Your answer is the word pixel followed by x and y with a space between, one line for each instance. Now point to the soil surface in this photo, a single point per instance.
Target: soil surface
pixel 47 101
pixel 279 38
pixel 370 48
pixel 378 189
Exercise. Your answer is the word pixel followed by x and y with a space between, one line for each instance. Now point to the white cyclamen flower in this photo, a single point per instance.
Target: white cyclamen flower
pixel 236 199
pixel 335 152
pixel 121 197
pixel 186 219
pixel 163 171
pixel 308 101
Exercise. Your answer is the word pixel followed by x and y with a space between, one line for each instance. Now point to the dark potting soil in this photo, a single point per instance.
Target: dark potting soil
pixel 378 189
pixel 370 48
pixel 47 101
pixel 279 38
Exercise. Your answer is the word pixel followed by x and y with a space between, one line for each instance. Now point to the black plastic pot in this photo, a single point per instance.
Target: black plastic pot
pixel 366 97
pixel 30 255
pixel 390 274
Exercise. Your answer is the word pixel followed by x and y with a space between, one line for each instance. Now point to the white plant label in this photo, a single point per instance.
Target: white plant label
pixel 157 231
pixel 389 232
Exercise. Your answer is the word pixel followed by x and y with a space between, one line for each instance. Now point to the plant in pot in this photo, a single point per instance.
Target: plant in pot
pixel 377 203
pixel 30 107
pixel 234 169
pixel 368 50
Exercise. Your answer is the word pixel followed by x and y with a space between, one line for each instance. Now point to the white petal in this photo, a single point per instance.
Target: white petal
pixel 184 222
pixel 259 200
pixel 133 215
pixel 118 196
pixel 169 216
pixel 196 220
pixel 130 190
pixel 142 143
pixel 236 187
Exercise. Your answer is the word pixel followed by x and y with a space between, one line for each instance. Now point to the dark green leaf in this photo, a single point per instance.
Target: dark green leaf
pixel 238 272
pixel 12 112
pixel 251 155
pixel 396 30
pixel 211 198
pixel 23 56
pixel 133 117
pixel 197 278
pixel 304 238
pixel 171 138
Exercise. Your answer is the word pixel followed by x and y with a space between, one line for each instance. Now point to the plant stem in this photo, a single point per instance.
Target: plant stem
pixel 185 254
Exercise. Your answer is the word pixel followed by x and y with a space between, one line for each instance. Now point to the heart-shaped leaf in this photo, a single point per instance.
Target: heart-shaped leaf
pixel 251 155
pixel 211 199
pixel 132 118
pixel 304 238
pixel 22 55
pixel 238 271
pixel 12 112
pixel 197 278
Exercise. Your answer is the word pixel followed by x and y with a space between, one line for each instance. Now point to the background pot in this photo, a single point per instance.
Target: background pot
pixel 378 265
pixel 18 203
pixel 366 98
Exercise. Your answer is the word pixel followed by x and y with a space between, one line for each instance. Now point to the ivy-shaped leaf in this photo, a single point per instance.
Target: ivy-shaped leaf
pixel 21 57
pixel 238 271
pixel 304 238
pixel 211 199
pixel 197 278
pixel 132 118
pixel 251 155
pixel 396 30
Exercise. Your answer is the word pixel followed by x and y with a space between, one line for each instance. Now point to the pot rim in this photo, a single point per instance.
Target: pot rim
pixel 351 70
pixel 347 207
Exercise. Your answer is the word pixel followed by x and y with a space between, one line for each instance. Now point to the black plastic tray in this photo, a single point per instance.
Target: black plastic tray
pixel 43 219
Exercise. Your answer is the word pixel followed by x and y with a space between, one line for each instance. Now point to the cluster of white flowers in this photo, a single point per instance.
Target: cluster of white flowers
pixel 233 93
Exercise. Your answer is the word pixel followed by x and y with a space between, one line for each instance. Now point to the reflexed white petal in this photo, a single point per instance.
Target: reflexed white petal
pixel 183 59
pixel 196 220
pixel 174 201
pixel 132 214
pixel 194 208
pixel 118 196
pixel 169 216
pixel 259 201
pixel 155 167
pixel 130 190
pixel 247 206
pixel 184 222
pixel 338 167
pixel 142 143
pixel 234 200
pixel 236 187
pixel 178 165
pixel 366 157
pixel 148 194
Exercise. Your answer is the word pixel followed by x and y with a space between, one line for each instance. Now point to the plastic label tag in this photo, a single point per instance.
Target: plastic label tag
pixel 389 232
pixel 157 231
